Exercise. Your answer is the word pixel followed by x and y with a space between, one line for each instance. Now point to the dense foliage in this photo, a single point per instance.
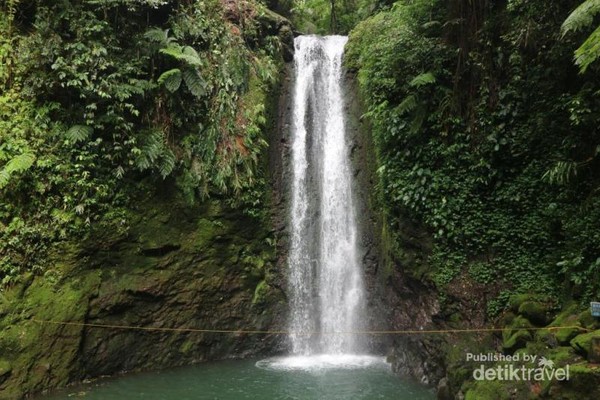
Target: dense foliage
pixel 330 16
pixel 489 136
pixel 97 96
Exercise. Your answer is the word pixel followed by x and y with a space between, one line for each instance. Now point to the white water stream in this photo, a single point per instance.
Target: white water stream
pixel 327 294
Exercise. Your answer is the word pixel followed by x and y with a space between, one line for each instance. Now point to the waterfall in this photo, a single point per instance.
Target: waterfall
pixel 325 279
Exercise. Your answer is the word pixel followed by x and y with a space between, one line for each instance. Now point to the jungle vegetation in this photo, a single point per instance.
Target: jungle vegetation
pixel 485 117
pixel 486 121
pixel 103 101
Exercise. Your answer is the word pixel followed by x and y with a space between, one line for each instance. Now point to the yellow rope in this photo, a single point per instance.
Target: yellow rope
pixel 281 332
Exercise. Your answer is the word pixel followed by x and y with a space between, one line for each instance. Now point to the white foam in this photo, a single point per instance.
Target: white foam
pixel 320 362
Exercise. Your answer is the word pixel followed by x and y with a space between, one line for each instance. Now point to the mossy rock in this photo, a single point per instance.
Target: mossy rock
pixel 584 383
pixel 568 317
pixel 516 300
pixel 5 370
pixel 587 320
pixel 516 335
pixel 536 312
pixel 491 390
pixel 517 340
pixel 565 335
pixel 583 343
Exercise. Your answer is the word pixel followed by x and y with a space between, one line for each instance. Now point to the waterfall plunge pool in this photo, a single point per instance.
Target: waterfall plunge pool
pixel 322 377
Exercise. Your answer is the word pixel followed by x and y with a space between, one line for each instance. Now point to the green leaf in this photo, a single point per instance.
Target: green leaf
pixel 20 163
pixel 194 82
pixel 191 56
pixel 167 163
pixel 589 51
pixel 171 79
pixel 408 104
pixel 421 80
pixel 188 55
pixel 581 17
pixel 173 50
pixel 157 35
pixel 79 133
pixel 561 173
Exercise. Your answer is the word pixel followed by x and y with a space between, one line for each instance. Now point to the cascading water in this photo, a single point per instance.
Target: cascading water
pixel 325 279
pixel 326 287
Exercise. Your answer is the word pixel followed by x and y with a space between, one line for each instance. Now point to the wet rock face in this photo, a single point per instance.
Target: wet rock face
pixel 396 301
pixel 177 267
pixel 205 277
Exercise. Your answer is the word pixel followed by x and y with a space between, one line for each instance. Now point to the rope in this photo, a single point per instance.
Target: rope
pixel 282 332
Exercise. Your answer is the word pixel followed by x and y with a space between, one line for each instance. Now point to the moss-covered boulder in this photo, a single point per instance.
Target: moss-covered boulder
pixel 562 329
pixel 583 383
pixel 583 343
pixel 535 311
pixel 516 335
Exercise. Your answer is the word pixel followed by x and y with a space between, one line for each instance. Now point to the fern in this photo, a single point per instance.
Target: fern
pixel 154 153
pixel 20 163
pixel 408 104
pixel 171 79
pixel 589 51
pixel 561 173
pixel 191 56
pixel 79 133
pixel 173 50
pixel 422 80
pixel 186 54
pixel 159 36
pixel 167 164
pixel 582 17
pixel 194 82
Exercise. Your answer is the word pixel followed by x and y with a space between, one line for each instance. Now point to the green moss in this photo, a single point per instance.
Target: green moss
pixel 517 340
pixel 516 335
pixel 489 390
pixel 534 311
pixel 582 343
pixel 566 318
pixel 587 320
pixel 186 347
pixel 5 368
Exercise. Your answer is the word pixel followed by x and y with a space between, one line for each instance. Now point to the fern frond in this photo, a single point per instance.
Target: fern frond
pixel 581 17
pixel 589 51
pixel 157 35
pixel 171 79
pixel 173 50
pixel 408 104
pixel 561 173
pixel 194 82
pixel 151 150
pixel 424 79
pixel 186 54
pixel 167 164
pixel 191 56
pixel 79 133
pixel 20 163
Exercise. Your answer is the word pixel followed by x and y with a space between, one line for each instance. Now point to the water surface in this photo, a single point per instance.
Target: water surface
pixel 238 380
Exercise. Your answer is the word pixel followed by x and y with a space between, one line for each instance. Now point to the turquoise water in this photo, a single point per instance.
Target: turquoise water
pixel 237 380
